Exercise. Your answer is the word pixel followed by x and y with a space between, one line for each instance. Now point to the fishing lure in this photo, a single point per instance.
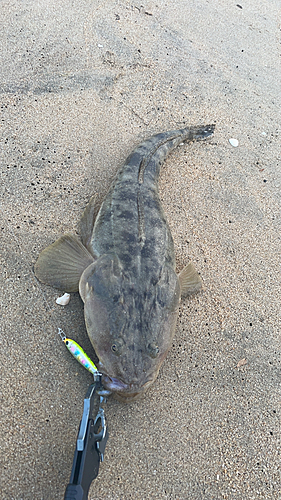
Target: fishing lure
pixel 78 353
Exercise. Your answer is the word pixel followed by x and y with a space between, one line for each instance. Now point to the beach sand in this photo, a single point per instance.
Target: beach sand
pixel 82 83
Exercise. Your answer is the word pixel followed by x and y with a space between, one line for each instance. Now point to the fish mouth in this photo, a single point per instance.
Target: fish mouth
pixel 122 391
pixel 113 384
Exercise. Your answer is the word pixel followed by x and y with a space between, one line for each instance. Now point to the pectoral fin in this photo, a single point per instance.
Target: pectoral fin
pixel 62 263
pixel 190 281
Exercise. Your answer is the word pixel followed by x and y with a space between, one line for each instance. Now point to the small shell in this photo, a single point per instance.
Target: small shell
pixel 63 300
pixel 234 142
pixel 242 362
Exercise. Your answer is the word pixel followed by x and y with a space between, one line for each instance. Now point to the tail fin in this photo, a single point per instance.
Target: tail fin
pixel 151 153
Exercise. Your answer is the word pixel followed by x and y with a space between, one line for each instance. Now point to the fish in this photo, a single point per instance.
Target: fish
pixel 124 268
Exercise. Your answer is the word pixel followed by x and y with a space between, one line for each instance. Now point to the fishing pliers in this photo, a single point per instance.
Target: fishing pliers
pixel 90 444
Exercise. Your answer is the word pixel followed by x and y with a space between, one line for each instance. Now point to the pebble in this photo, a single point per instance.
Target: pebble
pixel 234 142
pixel 63 300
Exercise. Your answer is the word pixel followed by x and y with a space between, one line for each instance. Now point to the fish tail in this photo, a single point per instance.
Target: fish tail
pixel 198 133
pixel 150 155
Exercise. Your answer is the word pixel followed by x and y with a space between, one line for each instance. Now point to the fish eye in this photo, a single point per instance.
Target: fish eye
pixel 117 347
pixel 153 350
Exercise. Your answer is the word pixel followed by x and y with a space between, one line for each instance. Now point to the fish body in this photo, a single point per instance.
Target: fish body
pixel 125 270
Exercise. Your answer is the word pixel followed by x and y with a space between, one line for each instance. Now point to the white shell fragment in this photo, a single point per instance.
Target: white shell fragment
pixel 234 142
pixel 242 362
pixel 63 300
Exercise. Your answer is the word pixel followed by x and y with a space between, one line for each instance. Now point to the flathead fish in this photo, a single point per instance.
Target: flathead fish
pixel 124 269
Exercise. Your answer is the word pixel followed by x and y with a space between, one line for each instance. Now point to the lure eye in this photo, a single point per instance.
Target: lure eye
pixel 66 343
pixel 117 347
pixel 153 350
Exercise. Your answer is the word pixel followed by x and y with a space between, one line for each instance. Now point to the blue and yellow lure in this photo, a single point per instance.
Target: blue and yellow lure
pixel 78 353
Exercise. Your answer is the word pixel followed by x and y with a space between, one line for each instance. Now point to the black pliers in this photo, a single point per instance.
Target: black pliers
pixel 90 445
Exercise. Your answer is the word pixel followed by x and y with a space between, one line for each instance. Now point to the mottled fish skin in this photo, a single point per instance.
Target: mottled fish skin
pixel 125 270
pixel 131 292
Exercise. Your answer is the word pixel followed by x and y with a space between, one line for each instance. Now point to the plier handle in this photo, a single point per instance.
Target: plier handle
pixel 90 444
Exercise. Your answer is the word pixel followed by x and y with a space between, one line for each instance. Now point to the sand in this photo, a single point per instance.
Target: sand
pixel 82 83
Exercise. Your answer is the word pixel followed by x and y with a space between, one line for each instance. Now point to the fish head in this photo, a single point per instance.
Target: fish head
pixel 130 326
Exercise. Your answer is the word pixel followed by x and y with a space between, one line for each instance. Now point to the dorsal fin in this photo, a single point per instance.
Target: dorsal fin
pixel 88 220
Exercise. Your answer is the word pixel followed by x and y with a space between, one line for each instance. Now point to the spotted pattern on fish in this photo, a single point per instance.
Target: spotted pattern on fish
pixel 126 270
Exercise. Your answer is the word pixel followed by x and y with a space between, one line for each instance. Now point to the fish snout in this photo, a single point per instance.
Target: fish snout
pixel 113 384
pixel 123 391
